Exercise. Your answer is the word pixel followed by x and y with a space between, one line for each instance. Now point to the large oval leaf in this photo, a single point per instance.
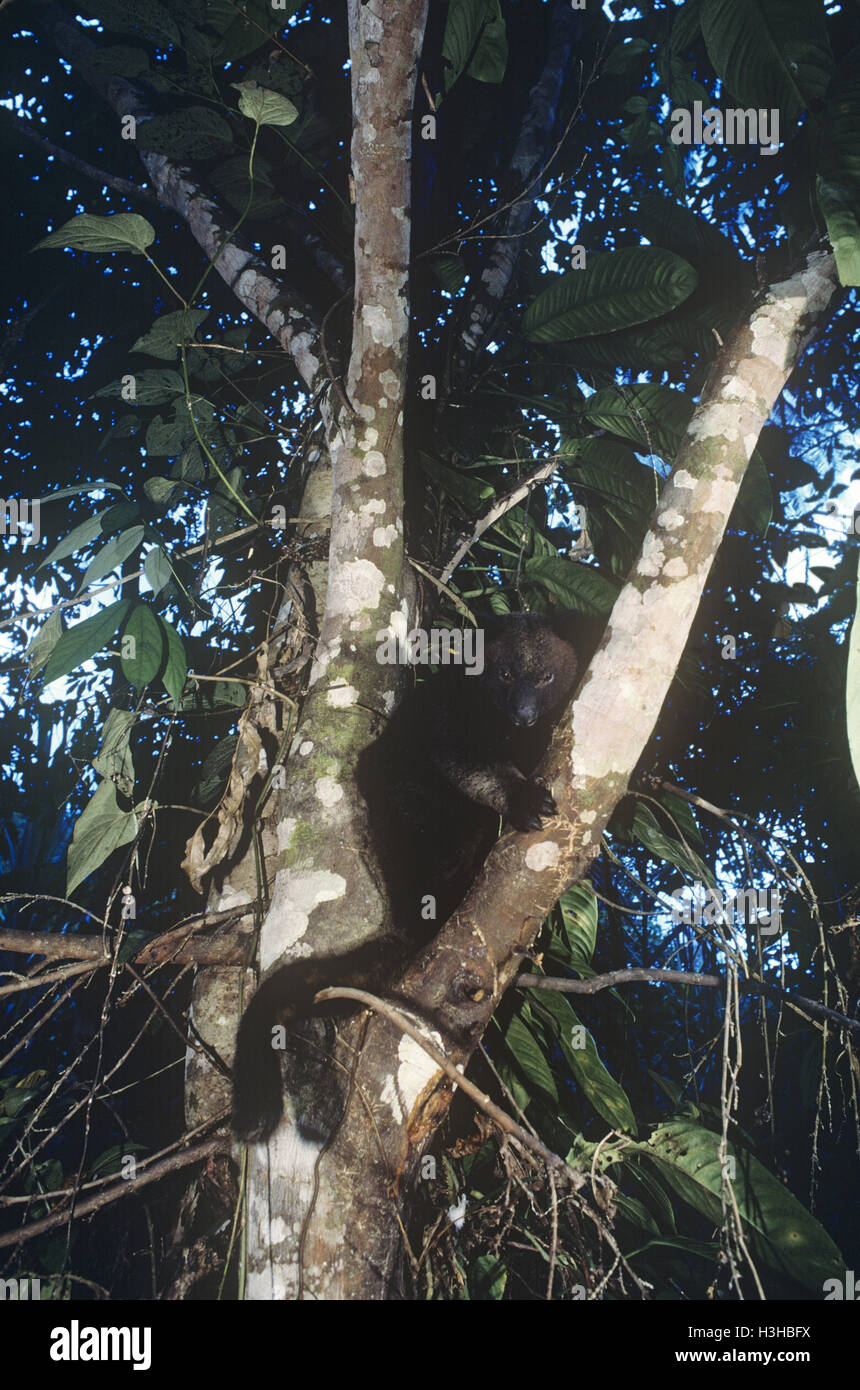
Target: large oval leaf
pixel 773 53
pixel 176 670
pixel 617 289
pixel 264 106
pixel 778 1230
pixel 82 535
pixel 123 231
pixel 579 915
pixel 143 633
pixel 101 828
pixel 570 584
pixel 153 386
pixel 83 640
pixel 192 133
pixel 651 416
pixel 111 555
pixel 169 330
pixel 475 40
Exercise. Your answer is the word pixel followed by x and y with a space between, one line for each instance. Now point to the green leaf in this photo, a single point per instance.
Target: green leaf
pixel 214 772
pixel 839 157
pixel 774 53
pixel 98 486
pixel 852 693
pixel 571 584
pixel 473 493
pixel 264 106
pixel 654 346
pixel 623 55
pixel 245 25
pixel 491 56
pixel 100 829
pixel 44 642
pixel 450 272
pixel 81 536
pixel 843 229
pixel 632 1210
pixel 82 641
pixel 153 386
pixel 474 38
pixel 231 181
pixel 686 26
pixel 160 490
pixel 176 670
pixel 670 224
pixel 616 289
pixel 165 438
pixel 490 1277
pixel 597 1084
pixel 146 632
pixel 113 760
pixel 286 78
pixel 111 555
pixel 119 517
pixel 653 417
pixel 122 231
pixel 18 1098
pixel 778 1230
pixel 579 914
pixel 647 829
pixel 193 133
pixel 169 330
pixel 607 468
pixel 157 569
pixel 527 1052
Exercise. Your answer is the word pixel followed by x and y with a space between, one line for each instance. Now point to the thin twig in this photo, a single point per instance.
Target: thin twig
pixel 498 510
pixel 113 1194
pixel 798 1002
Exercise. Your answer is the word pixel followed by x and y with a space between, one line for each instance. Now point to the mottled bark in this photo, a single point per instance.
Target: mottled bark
pixel 328 893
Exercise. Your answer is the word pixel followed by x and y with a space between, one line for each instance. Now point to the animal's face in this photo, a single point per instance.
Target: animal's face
pixel 529 670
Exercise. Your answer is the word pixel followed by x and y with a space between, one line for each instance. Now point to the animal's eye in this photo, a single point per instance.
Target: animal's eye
pixel 505 676
pixel 546 678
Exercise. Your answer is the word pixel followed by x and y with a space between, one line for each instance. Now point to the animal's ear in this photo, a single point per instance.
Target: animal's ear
pixel 582 632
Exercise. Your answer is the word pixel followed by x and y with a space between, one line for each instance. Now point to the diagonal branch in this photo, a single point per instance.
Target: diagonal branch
pixel 488 294
pixel 89 171
pixel 499 508
pixel 280 308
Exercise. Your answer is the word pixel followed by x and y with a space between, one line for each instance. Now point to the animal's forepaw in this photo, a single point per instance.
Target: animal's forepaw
pixel 529 803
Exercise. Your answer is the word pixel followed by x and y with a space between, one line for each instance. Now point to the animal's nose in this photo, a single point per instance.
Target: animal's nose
pixel 525 719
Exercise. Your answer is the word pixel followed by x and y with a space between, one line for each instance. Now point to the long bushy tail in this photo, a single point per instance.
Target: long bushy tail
pixel 287 997
pixel 258 1097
